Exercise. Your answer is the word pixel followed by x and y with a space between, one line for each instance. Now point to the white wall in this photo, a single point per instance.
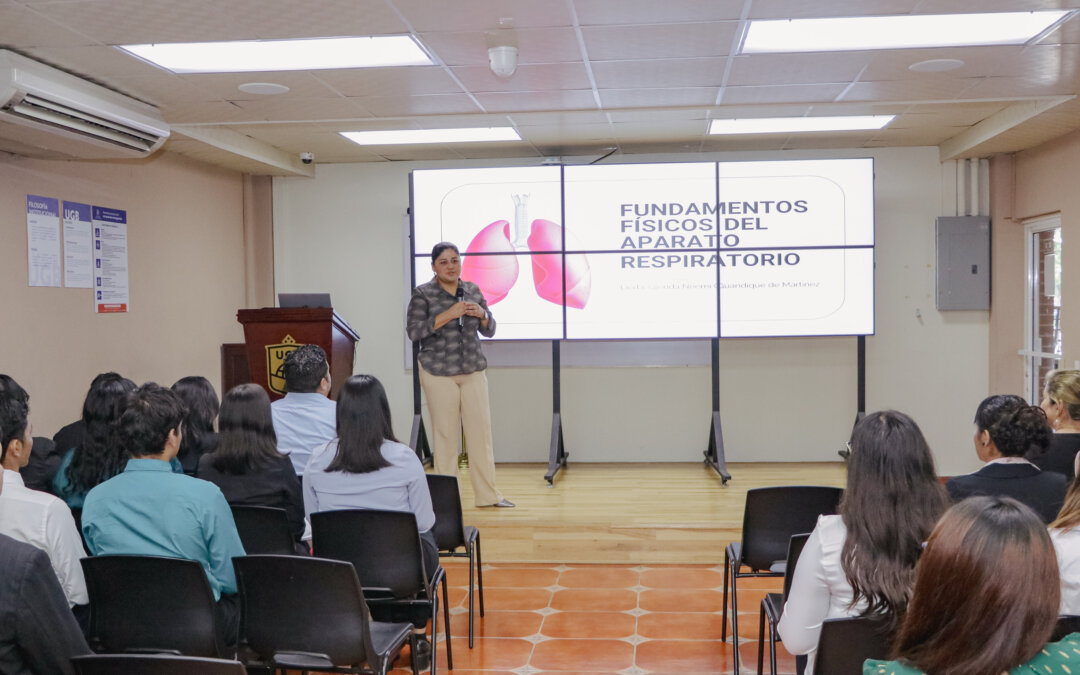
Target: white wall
pixel 781 399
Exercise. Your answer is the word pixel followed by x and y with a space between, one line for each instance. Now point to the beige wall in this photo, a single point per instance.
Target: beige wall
pixel 1032 183
pixel 186 269
pixel 781 399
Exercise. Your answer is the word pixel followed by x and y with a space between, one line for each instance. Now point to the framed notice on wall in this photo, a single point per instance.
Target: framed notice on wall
pixel 110 260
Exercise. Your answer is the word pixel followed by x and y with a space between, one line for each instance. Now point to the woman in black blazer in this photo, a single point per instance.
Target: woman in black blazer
pixel 1006 429
pixel 247 465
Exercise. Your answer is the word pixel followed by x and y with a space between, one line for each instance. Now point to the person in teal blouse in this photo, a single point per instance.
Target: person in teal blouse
pixel 986 598
pixel 148 509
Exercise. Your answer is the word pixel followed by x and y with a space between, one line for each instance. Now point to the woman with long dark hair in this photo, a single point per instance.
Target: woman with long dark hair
pixel 1007 429
pixel 862 561
pixel 365 467
pixel 199 437
pixel 100 456
pixel 986 598
pixel 246 465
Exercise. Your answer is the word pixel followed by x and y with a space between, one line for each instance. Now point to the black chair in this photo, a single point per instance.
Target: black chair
pixel 772 605
pixel 264 529
pixel 452 534
pixel 845 643
pixel 151 604
pixel 1066 625
pixel 310 614
pixel 154 664
pixel 385 549
pixel 770 517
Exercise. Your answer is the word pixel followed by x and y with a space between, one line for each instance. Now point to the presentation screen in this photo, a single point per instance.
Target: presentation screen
pixel 692 250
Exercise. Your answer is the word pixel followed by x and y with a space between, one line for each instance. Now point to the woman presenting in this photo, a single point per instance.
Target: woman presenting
pixel 444 316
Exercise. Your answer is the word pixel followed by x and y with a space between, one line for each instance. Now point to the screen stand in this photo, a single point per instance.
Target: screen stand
pixel 557 451
pixel 714 454
pixel 418 439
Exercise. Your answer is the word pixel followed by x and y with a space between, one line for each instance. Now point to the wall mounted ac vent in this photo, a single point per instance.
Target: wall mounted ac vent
pixel 61 114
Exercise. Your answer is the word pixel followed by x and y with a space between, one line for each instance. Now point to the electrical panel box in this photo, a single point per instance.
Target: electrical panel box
pixel 963 262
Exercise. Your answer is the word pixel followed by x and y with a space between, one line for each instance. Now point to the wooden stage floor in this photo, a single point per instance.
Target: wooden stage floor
pixel 626 513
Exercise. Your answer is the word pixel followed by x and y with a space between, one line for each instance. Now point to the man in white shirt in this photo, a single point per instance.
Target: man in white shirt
pixel 306 419
pixel 29 516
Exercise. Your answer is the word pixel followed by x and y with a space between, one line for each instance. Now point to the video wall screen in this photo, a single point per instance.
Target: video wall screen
pixel 647 251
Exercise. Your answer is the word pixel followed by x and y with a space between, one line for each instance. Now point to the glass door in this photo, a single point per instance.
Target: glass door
pixel 1042 307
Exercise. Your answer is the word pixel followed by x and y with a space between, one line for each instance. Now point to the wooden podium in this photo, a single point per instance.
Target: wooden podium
pixel 271 333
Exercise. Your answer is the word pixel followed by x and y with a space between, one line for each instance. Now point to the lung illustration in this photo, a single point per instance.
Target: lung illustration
pixel 494 274
pixel 548 267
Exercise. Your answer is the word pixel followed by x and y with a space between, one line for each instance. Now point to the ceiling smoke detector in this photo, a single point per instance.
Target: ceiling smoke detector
pixel 503 60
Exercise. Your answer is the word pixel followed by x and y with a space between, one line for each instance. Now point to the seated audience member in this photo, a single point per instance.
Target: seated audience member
pixel 365 467
pixel 862 561
pixel 149 509
pixel 29 516
pixel 247 465
pixel 202 405
pixel 1065 533
pixel 44 461
pixel 38 633
pixel 99 456
pixel 985 599
pixel 1061 403
pixel 304 419
pixel 1006 429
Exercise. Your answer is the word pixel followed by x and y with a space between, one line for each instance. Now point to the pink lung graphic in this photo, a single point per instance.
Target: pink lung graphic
pixel 548 271
pixel 495 275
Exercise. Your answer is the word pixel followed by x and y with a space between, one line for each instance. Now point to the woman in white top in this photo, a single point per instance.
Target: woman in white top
pixel 1065 533
pixel 862 561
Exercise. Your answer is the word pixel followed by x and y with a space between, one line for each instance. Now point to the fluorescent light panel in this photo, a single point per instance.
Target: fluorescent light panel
pixel 275 55
pixel 777 125
pixel 897 32
pixel 410 136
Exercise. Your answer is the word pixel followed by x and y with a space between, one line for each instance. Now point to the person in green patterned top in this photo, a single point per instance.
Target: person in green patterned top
pixel 985 600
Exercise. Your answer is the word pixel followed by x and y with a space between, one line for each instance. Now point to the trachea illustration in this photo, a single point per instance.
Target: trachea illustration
pixel 497 274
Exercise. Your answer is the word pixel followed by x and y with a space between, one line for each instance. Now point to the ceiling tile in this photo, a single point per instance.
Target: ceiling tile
pixel 707 72
pixel 580 133
pixel 978 62
pixel 786 9
pixel 413 80
pixel 563 118
pixel 677 115
pixel 662 41
pixel 545 77
pixel 605 12
pixel 1017 87
pixel 651 98
pixel 579 99
pixel 276 19
pixel 796 68
pixel 402 106
pixel 21 28
pixel 299 108
pixel 225 85
pixel 407 153
pixel 535 45
pixel 783 93
pixel 742 143
pixel 425 15
pixel 633 132
pixel 928 89
pixel 202 112
pixel 117 22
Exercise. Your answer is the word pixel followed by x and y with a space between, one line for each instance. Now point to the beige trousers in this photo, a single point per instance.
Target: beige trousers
pixel 456 403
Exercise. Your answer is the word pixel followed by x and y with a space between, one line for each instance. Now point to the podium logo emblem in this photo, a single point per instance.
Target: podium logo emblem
pixel 275 359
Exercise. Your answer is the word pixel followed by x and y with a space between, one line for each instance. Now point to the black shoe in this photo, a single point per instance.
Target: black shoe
pixel 421 654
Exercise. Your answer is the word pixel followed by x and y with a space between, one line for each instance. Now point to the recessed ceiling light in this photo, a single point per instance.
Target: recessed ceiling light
pixel 898 32
pixel 263 88
pixel 936 65
pixel 777 125
pixel 274 55
pixel 407 136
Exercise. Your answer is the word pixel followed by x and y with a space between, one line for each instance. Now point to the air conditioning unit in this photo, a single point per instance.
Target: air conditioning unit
pixel 47 112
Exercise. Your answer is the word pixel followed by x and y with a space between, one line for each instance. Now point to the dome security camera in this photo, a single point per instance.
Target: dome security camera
pixel 503 60
pixel 307 157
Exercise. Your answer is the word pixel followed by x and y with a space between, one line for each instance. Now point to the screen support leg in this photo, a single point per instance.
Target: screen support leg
pixel 714 454
pixel 861 388
pixel 418 439
pixel 557 451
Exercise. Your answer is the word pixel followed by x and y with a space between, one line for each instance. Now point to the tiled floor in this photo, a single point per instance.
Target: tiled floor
pixel 602 619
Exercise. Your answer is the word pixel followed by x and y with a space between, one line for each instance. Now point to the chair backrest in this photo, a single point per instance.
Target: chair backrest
pixel 151 603
pixel 773 514
pixel 263 529
pixel 383 546
pixel 449 527
pixel 300 604
pixel 153 664
pixel 845 643
pixel 1066 624
pixel 794 550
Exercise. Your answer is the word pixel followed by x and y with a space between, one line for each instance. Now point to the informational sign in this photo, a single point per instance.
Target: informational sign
pixel 43 240
pixel 78 246
pixel 692 250
pixel 110 260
